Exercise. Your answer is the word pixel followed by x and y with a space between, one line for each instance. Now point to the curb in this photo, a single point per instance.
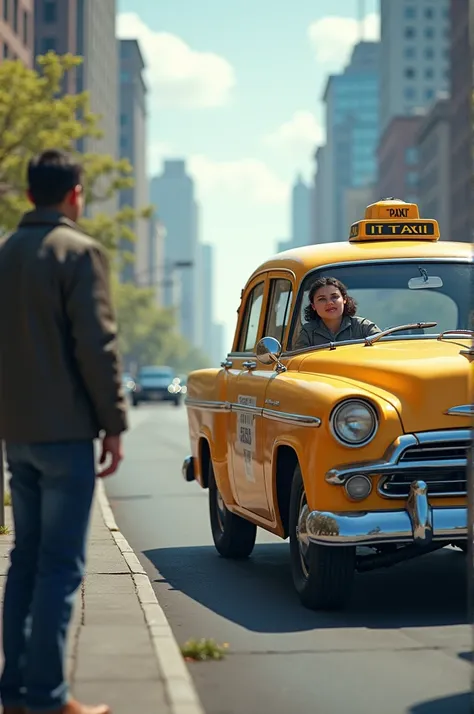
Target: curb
pixel 179 687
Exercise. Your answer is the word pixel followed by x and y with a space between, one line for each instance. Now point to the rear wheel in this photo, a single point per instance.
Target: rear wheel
pixel 233 536
pixel 322 575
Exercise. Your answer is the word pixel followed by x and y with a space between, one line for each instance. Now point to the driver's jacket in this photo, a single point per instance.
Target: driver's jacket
pixel 316 333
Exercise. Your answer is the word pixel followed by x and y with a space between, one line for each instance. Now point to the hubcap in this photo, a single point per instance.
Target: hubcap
pixel 220 509
pixel 302 535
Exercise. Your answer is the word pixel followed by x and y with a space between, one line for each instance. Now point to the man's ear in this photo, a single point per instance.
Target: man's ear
pixel 73 195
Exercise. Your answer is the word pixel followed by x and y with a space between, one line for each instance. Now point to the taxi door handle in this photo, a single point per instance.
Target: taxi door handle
pixel 249 364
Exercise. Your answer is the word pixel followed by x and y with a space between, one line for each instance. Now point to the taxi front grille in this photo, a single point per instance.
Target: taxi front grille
pixel 442 465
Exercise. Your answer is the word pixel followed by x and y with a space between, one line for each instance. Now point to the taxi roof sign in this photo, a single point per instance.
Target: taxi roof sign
pixel 393 219
pixel 390 209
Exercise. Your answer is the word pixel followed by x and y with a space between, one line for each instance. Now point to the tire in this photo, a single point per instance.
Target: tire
pixel 323 576
pixel 233 536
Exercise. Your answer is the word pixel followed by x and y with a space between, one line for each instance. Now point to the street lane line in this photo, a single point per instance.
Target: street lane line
pixel 179 687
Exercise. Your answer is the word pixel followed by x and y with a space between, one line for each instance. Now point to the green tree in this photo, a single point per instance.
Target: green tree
pixel 34 116
pixel 147 333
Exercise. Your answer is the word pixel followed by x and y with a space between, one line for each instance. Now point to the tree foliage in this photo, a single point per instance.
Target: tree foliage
pixel 35 115
pixel 147 333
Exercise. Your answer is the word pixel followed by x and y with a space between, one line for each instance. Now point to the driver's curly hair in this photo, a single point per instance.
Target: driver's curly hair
pixel 350 307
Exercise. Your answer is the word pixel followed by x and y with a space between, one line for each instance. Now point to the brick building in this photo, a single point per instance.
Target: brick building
pixel 17 30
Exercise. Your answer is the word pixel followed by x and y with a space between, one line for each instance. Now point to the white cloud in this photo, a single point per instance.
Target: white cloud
pixel 299 135
pixel 178 75
pixel 334 37
pixel 243 178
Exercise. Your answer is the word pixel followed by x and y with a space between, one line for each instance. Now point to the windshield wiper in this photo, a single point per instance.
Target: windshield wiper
pixel 372 339
pixel 456 333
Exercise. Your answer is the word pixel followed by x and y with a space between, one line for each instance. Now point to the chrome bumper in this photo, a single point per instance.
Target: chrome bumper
pixel 419 523
pixel 187 469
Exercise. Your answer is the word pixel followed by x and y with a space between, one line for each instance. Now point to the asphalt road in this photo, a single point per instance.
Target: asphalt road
pixel 402 647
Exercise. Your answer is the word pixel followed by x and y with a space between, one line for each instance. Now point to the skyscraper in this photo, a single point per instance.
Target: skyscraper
pixel 398 159
pixel 461 82
pixel 300 214
pixel 173 193
pixel 86 28
pixel 352 130
pixel 16 31
pixel 414 55
pixel 133 136
pixel 434 151
pixel 320 214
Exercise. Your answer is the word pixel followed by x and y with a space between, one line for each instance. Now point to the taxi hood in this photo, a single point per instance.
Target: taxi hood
pixel 422 378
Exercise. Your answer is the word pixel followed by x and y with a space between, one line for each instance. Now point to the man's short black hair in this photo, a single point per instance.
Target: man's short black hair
pixel 51 176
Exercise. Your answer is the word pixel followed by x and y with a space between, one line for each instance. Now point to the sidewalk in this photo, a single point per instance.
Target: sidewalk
pixel 121 648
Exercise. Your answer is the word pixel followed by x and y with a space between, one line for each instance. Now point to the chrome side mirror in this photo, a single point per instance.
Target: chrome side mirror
pixel 268 352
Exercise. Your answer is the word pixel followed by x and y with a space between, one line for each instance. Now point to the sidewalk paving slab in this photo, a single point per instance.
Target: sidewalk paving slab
pixel 121 649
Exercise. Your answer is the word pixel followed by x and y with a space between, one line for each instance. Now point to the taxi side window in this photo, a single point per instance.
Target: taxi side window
pixel 278 311
pixel 253 309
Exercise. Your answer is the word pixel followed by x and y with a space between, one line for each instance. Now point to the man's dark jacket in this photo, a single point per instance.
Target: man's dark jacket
pixel 60 374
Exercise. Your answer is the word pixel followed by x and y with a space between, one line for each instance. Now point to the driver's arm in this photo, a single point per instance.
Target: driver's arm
pixel 368 328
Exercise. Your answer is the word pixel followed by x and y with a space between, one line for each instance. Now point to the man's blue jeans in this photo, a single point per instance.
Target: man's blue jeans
pixel 52 488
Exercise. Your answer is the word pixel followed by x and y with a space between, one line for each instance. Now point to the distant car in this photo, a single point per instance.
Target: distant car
pixel 154 384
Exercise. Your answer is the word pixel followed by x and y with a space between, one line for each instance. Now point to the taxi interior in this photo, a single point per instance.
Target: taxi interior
pixel 399 293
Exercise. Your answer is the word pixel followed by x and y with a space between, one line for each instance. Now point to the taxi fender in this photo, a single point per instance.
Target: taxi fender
pixel 316 449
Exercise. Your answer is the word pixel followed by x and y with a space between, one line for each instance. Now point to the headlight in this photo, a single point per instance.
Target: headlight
pixel 354 422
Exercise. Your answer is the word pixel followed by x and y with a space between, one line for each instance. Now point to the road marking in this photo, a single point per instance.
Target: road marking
pixel 179 687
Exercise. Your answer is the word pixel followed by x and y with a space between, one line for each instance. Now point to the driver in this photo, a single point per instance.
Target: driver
pixel 331 316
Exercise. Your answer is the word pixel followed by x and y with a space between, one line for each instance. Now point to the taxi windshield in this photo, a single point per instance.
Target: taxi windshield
pixel 401 293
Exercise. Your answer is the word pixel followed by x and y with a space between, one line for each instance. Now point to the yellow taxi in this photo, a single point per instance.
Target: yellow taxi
pixel 349 438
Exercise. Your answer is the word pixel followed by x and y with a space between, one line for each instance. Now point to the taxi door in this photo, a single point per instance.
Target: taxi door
pixel 244 393
pixel 263 317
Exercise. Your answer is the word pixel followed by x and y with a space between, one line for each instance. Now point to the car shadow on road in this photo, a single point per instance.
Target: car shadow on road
pixel 258 593
pixel 455 704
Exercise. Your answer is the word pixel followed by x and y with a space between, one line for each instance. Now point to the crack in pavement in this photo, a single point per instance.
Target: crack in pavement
pixel 118 572
pixel 339 650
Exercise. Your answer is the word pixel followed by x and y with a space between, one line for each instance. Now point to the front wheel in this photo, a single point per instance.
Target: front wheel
pixel 322 575
pixel 233 536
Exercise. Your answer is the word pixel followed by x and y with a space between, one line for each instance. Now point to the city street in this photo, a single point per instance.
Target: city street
pixel 402 647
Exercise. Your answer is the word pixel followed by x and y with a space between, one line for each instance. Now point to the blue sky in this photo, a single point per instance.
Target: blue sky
pixel 235 89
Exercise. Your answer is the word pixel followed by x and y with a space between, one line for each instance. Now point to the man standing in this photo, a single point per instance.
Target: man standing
pixel 60 388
